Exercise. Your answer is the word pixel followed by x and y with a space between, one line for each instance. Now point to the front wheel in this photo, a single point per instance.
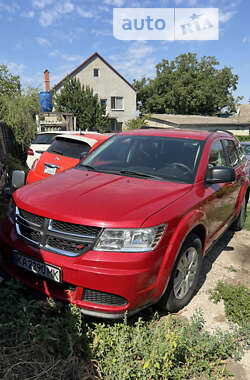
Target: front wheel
pixel 185 276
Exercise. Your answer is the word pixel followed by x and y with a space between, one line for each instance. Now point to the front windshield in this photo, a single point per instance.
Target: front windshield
pixel 159 158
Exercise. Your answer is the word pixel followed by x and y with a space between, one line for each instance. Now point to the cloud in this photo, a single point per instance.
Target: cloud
pixel 82 13
pixel 226 16
pixel 71 58
pixel 14 7
pixel 246 40
pixel 138 61
pixel 42 41
pixel 40 4
pixel 54 53
pixel 65 57
pixel 28 14
pixel 49 15
pixel 15 68
pixel 115 3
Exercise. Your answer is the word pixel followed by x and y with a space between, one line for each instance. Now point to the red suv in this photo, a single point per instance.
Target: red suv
pixel 128 227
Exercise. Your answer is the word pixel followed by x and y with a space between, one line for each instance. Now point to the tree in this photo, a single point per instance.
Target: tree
pixel 187 86
pixel 18 112
pixel 9 83
pixel 137 122
pixel 83 104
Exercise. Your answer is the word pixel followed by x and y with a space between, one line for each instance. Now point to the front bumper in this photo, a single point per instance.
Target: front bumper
pixel 131 277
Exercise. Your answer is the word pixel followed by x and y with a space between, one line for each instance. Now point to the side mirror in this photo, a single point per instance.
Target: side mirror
pixel 18 179
pixel 83 155
pixel 220 174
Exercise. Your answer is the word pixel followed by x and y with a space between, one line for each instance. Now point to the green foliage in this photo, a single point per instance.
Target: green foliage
pixel 247 222
pixel 83 104
pixel 45 339
pixel 19 114
pixel 236 300
pixel 9 83
pixel 136 123
pixel 243 138
pixel 187 86
pixel 164 348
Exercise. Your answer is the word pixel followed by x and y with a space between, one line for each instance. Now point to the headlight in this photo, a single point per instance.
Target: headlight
pixel 12 211
pixel 130 240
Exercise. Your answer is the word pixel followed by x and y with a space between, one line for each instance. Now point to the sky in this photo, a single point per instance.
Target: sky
pixel 59 35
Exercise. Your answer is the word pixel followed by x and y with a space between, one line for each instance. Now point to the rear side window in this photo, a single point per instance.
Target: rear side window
pixel 69 148
pixel 45 138
pixel 231 151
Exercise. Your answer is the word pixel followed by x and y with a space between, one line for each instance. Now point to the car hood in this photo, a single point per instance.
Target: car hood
pixel 98 199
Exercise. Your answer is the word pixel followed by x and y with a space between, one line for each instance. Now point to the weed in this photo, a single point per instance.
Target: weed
pixel 236 300
pixel 231 268
pixel 165 348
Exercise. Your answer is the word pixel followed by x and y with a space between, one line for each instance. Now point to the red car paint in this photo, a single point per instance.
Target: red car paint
pixel 101 199
pixel 62 162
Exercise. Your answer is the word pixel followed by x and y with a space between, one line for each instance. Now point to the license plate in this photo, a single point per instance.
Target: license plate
pixel 48 170
pixel 37 267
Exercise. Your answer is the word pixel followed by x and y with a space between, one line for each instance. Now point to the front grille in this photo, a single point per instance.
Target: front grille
pixel 53 235
pixel 32 218
pixel 74 229
pixel 67 245
pixel 102 298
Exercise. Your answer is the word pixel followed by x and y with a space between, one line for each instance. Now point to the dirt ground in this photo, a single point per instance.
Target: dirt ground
pixel 232 251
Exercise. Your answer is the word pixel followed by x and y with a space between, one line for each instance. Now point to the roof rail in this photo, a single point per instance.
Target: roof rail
pixel 225 130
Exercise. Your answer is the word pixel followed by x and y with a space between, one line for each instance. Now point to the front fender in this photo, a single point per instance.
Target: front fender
pixel 194 219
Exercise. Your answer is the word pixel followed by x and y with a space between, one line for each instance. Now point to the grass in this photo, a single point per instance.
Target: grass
pixel 247 222
pixel 236 300
pixel 41 339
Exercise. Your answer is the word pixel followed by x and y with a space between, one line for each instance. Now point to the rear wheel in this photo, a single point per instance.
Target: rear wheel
pixel 184 277
pixel 238 224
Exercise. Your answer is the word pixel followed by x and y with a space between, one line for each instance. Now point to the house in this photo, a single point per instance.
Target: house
pixel 113 90
pixel 238 123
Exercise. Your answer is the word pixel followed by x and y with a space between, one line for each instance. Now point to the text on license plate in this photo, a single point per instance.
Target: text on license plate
pixel 37 267
pixel 49 170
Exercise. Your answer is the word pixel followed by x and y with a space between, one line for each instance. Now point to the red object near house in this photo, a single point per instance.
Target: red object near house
pixel 65 152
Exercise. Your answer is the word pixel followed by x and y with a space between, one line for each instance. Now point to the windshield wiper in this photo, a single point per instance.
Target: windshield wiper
pixel 139 174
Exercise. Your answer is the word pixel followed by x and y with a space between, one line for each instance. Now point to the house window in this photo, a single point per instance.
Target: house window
pixel 116 102
pixel 104 103
pixel 96 72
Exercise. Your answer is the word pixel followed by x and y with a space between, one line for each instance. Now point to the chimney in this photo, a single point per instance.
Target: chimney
pixel 46 80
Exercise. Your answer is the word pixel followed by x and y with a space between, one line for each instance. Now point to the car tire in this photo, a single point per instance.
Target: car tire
pixel 239 222
pixel 184 277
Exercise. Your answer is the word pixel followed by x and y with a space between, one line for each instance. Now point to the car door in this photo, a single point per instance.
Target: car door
pixel 220 197
pixel 238 164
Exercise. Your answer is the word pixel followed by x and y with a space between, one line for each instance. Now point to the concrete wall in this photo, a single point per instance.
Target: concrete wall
pixel 107 85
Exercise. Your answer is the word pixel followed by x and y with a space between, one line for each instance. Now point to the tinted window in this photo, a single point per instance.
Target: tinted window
pixel 68 148
pixel 45 138
pixel 231 152
pixel 172 159
pixel 217 155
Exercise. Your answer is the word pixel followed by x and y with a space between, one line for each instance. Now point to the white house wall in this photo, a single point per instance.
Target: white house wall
pixel 107 85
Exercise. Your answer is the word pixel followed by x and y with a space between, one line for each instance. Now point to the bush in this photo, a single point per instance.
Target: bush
pixel 243 138
pixel 165 348
pixel 236 300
